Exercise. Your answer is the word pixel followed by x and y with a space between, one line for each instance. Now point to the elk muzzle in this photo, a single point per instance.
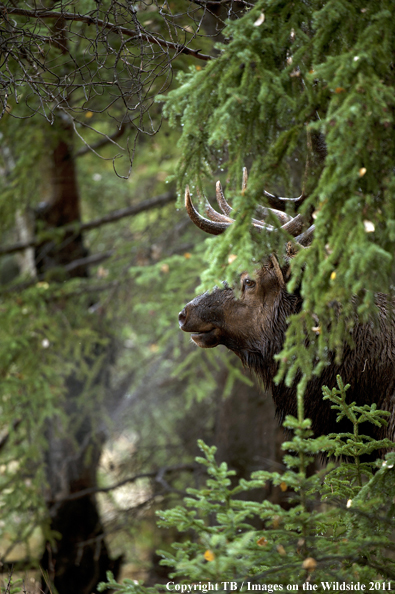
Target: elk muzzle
pixel 204 334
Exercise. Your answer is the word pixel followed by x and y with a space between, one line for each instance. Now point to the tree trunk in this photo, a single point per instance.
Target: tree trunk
pixel 78 560
pixel 63 208
pixel 248 435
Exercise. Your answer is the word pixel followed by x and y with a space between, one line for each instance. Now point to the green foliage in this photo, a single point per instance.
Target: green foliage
pixel 347 535
pixel 306 67
pixel 43 342
pixel 21 179
pixel 56 328
pixel 288 72
pixel 12 585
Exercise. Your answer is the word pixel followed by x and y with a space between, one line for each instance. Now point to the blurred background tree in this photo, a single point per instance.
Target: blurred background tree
pixel 102 400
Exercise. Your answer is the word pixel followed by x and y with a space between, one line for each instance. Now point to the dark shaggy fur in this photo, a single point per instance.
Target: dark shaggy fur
pixel 254 327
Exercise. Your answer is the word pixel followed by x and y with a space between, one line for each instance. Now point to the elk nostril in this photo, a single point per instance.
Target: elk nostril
pixel 182 316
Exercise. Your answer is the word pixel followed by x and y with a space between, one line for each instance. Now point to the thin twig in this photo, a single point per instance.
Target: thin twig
pixel 156 474
pixel 89 20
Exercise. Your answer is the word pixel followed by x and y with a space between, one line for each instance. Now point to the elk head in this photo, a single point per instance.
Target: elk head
pixel 253 325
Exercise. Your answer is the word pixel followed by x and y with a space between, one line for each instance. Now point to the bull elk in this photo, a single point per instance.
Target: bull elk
pixel 254 325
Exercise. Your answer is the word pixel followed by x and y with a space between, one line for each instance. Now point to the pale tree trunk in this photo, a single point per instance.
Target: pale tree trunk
pixel 24 223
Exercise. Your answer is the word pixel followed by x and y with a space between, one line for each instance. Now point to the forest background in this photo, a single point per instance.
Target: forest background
pixel 102 399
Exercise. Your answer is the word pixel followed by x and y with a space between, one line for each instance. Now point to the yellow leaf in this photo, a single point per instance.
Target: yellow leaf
pixel 262 542
pixel 42 285
pixel 165 268
pixel 89 114
pixel 198 67
pixel 283 486
pixel 187 255
pixel 309 564
pixel 333 275
pixel 209 555
pixel 281 550
pixel 276 521
pixel 340 90
pixel 102 272
pixel 154 348
pixel 362 171
pixel 232 258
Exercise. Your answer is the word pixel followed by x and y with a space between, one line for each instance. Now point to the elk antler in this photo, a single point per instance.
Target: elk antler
pixel 275 197
pixel 283 217
pixel 212 227
pixel 306 237
pixel 218 223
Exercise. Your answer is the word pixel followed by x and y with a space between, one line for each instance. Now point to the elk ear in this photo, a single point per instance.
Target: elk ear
pixel 277 270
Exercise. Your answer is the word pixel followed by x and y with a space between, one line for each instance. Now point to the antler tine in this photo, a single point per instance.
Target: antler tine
pixel 213 214
pixel 245 179
pixel 212 227
pixel 294 226
pixel 305 238
pixel 283 217
pixel 273 196
pixel 216 216
pixel 224 206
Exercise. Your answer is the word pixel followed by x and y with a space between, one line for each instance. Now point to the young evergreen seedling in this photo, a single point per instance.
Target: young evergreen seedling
pixel 346 535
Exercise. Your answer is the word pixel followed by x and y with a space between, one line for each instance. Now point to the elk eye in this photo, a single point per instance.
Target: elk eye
pixel 249 283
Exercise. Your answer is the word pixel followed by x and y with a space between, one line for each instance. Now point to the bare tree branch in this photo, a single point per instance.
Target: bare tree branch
pixel 103 142
pixel 111 217
pixel 112 62
pixel 92 260
pixel 89 20
pixel 156 474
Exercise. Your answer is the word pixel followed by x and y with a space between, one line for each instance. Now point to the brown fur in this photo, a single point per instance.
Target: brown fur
pixel 254 326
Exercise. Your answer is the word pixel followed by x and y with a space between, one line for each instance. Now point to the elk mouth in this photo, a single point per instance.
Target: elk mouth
pixel 204 334
pixel 207 339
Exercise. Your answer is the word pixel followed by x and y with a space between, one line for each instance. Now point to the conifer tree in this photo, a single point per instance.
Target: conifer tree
pixel 304 92
pixel 339 540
